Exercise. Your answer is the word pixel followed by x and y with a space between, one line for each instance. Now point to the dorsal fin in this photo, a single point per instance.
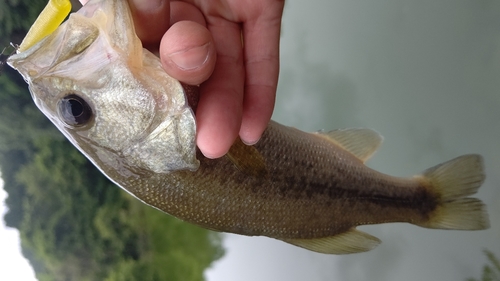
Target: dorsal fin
pixel 352 241
pixel 247 159
pixel 360 142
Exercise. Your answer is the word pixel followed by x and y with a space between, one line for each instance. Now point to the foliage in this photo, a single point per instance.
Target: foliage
pixel 490 272
pixel 74 223
pixel 16 17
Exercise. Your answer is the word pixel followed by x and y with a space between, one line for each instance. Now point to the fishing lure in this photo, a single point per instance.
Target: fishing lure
pixel 49 19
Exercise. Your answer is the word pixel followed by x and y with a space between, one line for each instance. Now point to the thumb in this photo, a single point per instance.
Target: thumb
pixel 187 52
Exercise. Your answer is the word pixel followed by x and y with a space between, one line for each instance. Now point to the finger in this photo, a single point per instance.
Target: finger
pixel 219 111
pixel 187 52
pixel 181 11
pixel 151 19
pixel 261 39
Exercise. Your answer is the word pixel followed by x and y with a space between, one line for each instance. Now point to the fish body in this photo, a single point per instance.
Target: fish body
pixel 113 101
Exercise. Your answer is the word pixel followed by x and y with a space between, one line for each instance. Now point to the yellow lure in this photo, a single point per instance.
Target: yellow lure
pixel 48 20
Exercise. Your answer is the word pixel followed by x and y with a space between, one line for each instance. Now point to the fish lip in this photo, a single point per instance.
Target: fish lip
pixel 37 61
pixel 18 62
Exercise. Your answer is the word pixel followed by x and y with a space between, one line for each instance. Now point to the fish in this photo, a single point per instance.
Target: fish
pixel 113 101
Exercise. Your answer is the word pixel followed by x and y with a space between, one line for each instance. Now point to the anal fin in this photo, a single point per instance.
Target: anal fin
pixel 352 241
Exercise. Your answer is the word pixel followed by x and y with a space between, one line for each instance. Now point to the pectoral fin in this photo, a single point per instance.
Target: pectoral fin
pixel 360 142
pixel 247 159
pixel 352 241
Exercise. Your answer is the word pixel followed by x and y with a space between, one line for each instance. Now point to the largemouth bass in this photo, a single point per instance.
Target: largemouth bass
pixel 113 101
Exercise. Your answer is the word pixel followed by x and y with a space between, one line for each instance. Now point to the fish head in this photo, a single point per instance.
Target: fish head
pixel 110 97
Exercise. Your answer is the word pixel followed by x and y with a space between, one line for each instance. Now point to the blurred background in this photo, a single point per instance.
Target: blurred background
pixel 424 74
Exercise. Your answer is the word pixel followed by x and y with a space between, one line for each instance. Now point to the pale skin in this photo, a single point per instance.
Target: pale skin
pixel 200 43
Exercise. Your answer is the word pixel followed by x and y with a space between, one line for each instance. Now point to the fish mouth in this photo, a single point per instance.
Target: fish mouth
pixel 63 46
pixel 23 63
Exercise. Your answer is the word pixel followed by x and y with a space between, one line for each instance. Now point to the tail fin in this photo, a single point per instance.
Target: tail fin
pixel 452 182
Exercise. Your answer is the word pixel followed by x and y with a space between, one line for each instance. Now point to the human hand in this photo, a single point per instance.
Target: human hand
pixel 200 43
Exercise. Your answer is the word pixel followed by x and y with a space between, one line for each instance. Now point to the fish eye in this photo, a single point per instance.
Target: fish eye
pixel 74 110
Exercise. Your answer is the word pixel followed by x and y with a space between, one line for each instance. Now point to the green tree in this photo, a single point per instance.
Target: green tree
pixel 13 27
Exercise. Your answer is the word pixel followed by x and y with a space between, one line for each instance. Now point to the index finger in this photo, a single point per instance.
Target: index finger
pixel 151 19
pixel 261 54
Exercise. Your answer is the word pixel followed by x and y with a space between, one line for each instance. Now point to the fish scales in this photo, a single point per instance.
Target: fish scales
pixel 113 101
pixel 282 204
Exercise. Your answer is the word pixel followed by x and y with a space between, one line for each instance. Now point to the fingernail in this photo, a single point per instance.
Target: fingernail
pixel 192 58
pixel 250 141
